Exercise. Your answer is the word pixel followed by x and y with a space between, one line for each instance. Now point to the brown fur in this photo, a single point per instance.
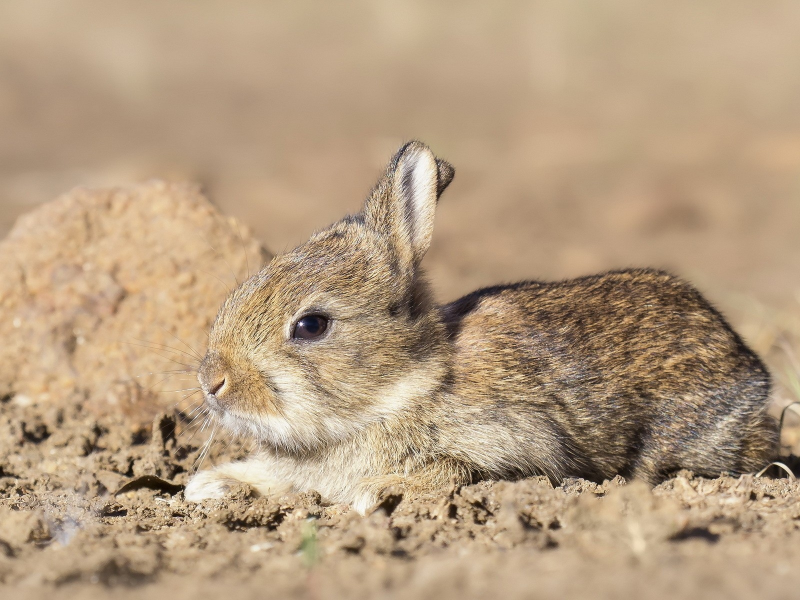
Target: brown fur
pixel 630 372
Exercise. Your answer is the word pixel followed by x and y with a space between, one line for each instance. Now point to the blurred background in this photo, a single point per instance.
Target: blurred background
pixel 585 134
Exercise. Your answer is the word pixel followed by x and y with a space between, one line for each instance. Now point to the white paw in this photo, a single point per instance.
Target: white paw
pixel 207 484
pixel 363 501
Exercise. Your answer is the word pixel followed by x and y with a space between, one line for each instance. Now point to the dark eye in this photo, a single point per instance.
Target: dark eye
pixel 310 327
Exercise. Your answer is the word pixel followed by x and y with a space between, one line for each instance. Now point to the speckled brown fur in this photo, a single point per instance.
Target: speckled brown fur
pixel 628 372
pixel 634 369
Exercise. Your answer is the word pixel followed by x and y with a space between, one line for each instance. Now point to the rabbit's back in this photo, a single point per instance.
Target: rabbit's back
pixel 629 372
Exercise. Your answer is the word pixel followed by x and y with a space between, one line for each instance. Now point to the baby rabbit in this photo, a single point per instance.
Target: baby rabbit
pixel 337 360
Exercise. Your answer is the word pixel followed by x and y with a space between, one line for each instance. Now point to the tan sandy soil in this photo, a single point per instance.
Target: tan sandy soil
pixel 64 533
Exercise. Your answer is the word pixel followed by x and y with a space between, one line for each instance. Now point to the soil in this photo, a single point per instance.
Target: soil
pixel 584 138
pixel 91 507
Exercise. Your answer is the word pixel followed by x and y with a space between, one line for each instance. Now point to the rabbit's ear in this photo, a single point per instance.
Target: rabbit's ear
pixel 404 206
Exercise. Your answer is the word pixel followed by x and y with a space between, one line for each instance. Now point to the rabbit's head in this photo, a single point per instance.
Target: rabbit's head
pixel 341 331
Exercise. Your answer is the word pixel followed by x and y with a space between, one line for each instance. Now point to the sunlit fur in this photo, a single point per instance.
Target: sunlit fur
pixel 629 372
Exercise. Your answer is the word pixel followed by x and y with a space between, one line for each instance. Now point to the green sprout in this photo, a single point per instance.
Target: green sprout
pixel 309 548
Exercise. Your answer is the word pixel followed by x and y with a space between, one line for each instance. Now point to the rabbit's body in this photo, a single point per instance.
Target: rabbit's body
pixel 630 372
pixel 335 358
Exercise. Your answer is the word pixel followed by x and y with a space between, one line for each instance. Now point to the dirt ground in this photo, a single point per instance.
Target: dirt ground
pixel 585 136
pixel 91 508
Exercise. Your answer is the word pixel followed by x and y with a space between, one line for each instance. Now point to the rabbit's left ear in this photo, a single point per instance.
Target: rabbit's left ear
pixel 404 206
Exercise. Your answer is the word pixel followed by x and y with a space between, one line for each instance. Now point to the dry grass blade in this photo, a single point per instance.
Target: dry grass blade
pixel 794 406
pixel 780 465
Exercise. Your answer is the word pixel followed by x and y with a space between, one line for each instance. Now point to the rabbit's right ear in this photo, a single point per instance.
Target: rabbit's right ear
pixel 403 205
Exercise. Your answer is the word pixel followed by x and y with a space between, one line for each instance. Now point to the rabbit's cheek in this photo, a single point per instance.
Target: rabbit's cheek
pixel 274 430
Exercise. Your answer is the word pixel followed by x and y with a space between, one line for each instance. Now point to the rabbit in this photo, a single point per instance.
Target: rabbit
pixel 337 360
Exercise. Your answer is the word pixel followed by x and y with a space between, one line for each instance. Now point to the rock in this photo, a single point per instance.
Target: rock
pixel 104 292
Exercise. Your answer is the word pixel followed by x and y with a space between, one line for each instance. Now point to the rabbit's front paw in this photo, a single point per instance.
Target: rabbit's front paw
pixel 208 484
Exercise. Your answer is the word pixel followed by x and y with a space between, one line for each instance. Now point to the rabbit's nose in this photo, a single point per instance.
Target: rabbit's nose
pixel 213 376
pixel 214 388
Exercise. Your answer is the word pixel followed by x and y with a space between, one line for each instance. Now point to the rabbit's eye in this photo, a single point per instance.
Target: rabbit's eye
pixel 310 327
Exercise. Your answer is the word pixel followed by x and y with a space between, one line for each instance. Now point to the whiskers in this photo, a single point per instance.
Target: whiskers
pixel 189 408
pixel 227 260
pixel 198 463
pixel 198 425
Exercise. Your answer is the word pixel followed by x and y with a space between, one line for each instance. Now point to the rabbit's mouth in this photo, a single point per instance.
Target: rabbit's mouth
pixel 213 404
